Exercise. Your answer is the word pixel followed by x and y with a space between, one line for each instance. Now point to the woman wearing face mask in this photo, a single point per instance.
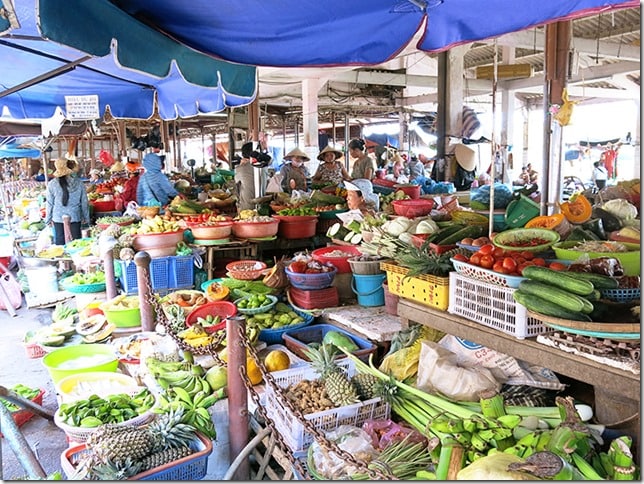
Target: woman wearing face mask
pixel 363 166
pixel 295 174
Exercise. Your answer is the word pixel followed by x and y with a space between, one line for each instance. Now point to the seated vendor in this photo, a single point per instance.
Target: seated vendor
pixel 360 196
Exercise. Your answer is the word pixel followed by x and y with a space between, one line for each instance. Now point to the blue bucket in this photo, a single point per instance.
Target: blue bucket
pixel 369 289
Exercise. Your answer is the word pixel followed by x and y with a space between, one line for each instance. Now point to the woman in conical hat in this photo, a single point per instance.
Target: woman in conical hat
pixel 294 174
pixel 331 171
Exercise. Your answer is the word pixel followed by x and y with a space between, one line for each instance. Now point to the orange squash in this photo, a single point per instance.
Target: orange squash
pixel 577 210
pixel 557 222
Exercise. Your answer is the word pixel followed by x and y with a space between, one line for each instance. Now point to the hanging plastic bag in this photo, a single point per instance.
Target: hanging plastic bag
pixel 131 209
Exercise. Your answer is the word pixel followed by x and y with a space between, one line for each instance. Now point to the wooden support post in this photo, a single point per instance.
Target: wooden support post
pixel 237 395
pixel 142 260
pixel 108 267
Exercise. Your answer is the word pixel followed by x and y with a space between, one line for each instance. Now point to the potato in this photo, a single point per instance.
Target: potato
pixel 467 241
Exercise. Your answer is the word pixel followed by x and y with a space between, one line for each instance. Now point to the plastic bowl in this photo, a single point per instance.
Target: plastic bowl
pixel 255 230
pixel 85 358
pixel 630 260
pixel 319 280
pixel 218 230
pixel 153 241
pixel 101 383
pixel 412 208
pixel 122 318
pixel 341 263
pixel 223 309
pixel 246 270
pixel 272 301
pixel 522 239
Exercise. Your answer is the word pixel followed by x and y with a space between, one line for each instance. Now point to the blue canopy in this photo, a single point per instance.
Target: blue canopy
pixel 291 33
pixel 183 82
pixel 13 150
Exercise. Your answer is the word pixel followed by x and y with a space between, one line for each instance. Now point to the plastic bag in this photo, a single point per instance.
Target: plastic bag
pixel 505 368
pixel 350 439
pixel 385 432
pixel 45 239
pixel 439 372
pixel 130 209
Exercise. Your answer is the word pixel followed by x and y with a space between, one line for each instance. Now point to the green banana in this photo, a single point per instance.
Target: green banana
pixel 198 398
pixel 478 442
pixel 182 395
pixel 509 421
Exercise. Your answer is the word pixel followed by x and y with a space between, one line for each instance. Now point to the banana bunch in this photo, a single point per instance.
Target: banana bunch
pixel 155 225
pixel 195 407
pixel 62 313
pixel 195 336
pixel 478 434
pixel 246 214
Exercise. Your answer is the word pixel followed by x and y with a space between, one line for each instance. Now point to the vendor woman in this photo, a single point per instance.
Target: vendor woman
pixel 360 196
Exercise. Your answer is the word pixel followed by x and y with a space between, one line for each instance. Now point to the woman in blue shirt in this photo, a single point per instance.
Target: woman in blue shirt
pixel 154 185
pixel 66 195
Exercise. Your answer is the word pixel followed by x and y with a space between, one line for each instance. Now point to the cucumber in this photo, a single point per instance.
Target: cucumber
pixel 337 231
pixel 588 306
pixel 599 281
pixel 444 232
pixel 472 231
pixel 594 296
pixel 543 306
pixel 356 239
pixel 561 297
pixel 560 279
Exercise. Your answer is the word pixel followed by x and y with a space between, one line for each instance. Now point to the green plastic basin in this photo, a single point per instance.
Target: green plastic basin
pixel 83 358
pixel 630 260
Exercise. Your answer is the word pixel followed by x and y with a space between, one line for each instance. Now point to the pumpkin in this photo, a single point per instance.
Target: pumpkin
pixel 577 210
pixel 557 222
pixel 217 292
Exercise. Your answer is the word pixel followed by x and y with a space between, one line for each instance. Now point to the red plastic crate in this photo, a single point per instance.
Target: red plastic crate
pixel 316 298
pixel 22 416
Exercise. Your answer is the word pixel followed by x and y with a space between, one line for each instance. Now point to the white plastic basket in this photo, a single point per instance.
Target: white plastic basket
pixel 491 305
pixel 81 434
pixel 290 427
pixel 486 275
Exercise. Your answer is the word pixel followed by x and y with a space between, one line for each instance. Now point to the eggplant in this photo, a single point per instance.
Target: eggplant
pixel 609 221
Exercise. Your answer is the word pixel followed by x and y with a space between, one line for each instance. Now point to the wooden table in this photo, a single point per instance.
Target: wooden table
pixel 241 249
pixel 617 392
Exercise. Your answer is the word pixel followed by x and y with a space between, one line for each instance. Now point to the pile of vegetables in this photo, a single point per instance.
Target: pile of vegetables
pixel 544 442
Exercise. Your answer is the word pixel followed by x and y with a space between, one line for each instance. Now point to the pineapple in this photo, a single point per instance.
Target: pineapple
pixel 115 471
pixel 338 386
pixel 111 443
pixel 365 383
pixel 164 456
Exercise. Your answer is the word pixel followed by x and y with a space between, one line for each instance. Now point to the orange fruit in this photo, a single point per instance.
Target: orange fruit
pixel 277 360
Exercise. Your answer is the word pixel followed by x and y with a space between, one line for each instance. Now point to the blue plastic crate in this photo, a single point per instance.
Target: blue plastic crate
pixel 165 273
pixel 182 271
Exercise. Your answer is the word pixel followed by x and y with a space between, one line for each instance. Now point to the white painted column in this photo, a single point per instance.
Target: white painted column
pixel 508 105
pixel 454 101
pixel 637 152
pixel 310 89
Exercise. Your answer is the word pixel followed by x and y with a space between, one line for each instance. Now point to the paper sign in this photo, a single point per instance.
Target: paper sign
pixel 82 107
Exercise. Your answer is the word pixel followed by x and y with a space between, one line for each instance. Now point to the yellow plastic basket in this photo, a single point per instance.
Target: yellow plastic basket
pixel 426 289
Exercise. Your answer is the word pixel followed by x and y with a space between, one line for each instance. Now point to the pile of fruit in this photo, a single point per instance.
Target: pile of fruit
pixel 308 265
pixel 83 278
pixel 256 301
pixel 281 316
pixel 155 225
pixel 509 262
pixel 205 218
pixel 24 391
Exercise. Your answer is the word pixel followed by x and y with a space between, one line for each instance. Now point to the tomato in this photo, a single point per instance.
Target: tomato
pixel 298 267
pixel 498 252
pixel 538 261
pixel 460 258
pixel 487 261
pixel 527 255
pixel 475 259
pixel 509 264
pixel 557 266
pixel 486 249
pixel 498 267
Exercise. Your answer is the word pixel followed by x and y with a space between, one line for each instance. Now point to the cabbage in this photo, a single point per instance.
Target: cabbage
pixel 397 226
pixel 621 209
pixel 426 226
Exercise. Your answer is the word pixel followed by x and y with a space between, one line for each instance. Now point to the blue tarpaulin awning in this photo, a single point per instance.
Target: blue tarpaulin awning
pixel 181 82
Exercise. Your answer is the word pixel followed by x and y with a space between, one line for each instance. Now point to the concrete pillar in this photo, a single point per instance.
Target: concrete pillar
pixel 310 89
pixel 636 140
pixel 508 104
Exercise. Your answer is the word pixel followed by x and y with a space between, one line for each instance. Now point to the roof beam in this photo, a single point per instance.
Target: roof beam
pixel 584 75
pixel 382 78
pixel 530 39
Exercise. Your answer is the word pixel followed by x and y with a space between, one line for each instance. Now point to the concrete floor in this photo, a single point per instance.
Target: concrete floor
pixel 46 440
